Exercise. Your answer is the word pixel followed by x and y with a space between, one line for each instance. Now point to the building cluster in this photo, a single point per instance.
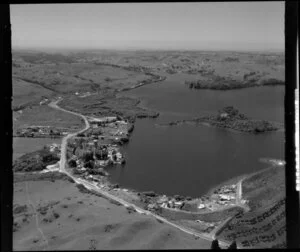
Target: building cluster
pixel 54 147
pixel 166 202
pixel 97 147
pixel 44 101
pixel 86 172
pixel 225 195
pixel 82 95
pixel 101 121
pixel 91 160
pixel 111 127
pixel 40 131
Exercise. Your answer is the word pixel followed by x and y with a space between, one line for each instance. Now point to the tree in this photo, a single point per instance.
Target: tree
pixel 233 245
pixel 101 154
pixel 72 163
pixel 87 156
pixel 90 164
pixel 215 244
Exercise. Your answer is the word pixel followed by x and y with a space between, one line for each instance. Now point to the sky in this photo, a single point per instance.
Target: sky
pixel 257 26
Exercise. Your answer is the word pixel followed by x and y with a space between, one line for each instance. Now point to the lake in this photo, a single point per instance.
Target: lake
pixel 189 160
pixel 22 145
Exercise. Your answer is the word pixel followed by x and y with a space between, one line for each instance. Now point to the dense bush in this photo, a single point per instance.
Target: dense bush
pixel 101 154
pixel 20 209
pixel 72 163
pixel 87 156
pixel 35 161
pixel 89 164
pixel 82 188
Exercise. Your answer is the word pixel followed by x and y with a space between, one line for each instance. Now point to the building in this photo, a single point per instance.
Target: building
pixel 162 199
pixel 201 206
pixel 226 196
pixel 223 115
pixel 178 204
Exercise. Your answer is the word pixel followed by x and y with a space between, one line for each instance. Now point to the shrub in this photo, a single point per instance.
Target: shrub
pixel 215 244
pixel 87 156
pixel 20 209
pixel 82 188
pixel 233 245
pixel 72 163
pixel 90 164
pixel 56 215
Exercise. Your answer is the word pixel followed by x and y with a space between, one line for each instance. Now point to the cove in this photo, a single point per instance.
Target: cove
pixel 189 160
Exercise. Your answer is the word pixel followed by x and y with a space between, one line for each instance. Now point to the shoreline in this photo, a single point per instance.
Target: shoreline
pixel 202 216
pixel 125 196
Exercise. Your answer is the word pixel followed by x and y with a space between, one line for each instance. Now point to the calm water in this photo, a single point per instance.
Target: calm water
pixel 189 160
pixel 22 145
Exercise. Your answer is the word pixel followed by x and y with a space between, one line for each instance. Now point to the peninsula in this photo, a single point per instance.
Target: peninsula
pixel 230 118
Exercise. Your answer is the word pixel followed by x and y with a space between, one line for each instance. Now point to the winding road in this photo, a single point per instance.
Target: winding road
pixel 98 190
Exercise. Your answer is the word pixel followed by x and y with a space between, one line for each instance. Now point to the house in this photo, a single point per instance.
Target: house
pixel 224 115
pixel 178 203
pixel 170 204
pixel 164 205
pixel 121 122
pixel 162 199
pixel 201 206
pixel 226 197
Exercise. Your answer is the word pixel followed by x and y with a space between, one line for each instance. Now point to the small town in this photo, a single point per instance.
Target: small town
pixel 221 197
pixel 97 148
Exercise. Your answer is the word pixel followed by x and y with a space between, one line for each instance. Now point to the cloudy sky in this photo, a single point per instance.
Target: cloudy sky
pixel 203 26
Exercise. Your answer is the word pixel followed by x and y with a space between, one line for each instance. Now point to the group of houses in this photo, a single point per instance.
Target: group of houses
pixel 223 196
pixel 166 202
pixel 82 95
pixel 40 131
pixel 44 101
pixel 97 156
pixel 111 127
pixel 54 147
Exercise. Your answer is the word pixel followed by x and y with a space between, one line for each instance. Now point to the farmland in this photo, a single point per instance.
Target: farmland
pixel 264 225
pixel 88 83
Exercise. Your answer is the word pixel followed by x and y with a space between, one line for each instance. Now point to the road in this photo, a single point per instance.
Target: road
pixel 95 188
pixel 239 195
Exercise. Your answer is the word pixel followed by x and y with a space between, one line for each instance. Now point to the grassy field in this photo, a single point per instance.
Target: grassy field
pixel 106 105
pixel 71 220
pixel 265 187
pixel 94 70
pixel 264 228
pixel 26 93
pixel 215 216
pixel 45 116
pixel 79 77
pixel 264 225
pixel 78 221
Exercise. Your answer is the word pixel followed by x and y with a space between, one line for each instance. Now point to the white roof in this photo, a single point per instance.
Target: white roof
pixel 201 206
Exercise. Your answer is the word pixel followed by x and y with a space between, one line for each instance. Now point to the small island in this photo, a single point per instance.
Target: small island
pixel 230 118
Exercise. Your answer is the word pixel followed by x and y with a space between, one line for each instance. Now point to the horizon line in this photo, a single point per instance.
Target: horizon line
pixel 42 49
